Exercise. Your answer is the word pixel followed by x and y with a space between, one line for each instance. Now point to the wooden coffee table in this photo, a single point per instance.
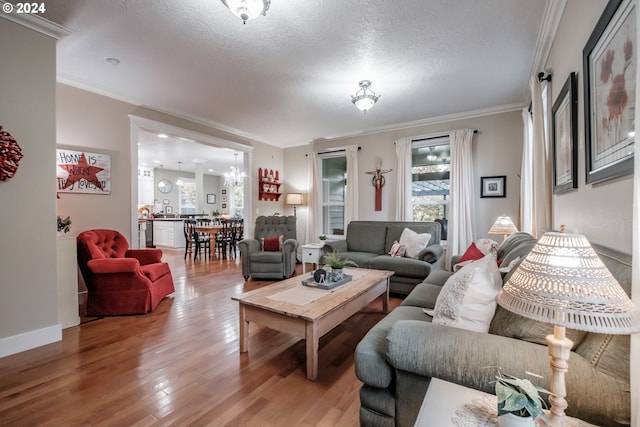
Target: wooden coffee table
pixel 309 313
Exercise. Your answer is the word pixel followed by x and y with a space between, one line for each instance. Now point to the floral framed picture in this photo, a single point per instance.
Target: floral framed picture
pixel 609 72
pixel 564 131
pixel 493 186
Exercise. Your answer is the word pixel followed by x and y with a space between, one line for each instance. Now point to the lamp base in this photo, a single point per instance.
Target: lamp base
pixel 559 350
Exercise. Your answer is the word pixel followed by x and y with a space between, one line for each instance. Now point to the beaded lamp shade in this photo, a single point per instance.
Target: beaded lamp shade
pixel 563 281
pixel 503 225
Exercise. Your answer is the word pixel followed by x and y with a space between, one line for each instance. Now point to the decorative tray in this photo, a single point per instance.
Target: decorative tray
pixel 311 282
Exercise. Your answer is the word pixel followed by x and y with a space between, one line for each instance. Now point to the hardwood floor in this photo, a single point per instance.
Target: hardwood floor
pixel 180 365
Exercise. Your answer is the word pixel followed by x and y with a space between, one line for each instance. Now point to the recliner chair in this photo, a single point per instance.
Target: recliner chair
pixel 272 253
pixel 121 280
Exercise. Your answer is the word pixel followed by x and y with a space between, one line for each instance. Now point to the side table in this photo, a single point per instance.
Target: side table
pixel 311 253
pixel 449 404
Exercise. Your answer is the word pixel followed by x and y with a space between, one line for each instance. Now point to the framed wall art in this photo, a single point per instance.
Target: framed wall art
pixel 83 172
pixel 609 71
pixel 168 209
pixel 224 206
pixel 564 131
pixel 493 186
pixel 211 199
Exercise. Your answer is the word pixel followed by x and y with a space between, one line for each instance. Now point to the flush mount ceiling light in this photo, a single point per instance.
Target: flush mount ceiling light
pixel 247 9
pixel 365 98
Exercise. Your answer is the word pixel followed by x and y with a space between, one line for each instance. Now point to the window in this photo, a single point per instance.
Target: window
pixel 187 203
pixel 236 200
pixel 430 171
pixel 333 168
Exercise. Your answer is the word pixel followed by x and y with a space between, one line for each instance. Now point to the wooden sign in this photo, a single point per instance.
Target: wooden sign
pixel 83 172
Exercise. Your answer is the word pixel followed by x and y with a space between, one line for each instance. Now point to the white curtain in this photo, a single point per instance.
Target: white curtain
pixel 351 197
pixel 404 211
pixel 541 179
pixel 526 175
pixel 461 229
pixel 635 269
pixel 314 218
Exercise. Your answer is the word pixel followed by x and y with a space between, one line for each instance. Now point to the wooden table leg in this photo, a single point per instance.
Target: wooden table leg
pixel 312 343
pixel 385 299
pixel 244 330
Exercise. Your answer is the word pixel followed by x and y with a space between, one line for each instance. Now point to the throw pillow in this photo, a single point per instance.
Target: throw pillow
pixel 468 298
pixel 414 242
pixel 397 249
pixel 271 244
pixel 471 254
pixel 487 246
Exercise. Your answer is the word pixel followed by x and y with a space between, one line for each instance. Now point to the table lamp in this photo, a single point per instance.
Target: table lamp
pixel 563 282
pixel 293 199
pixel 504 226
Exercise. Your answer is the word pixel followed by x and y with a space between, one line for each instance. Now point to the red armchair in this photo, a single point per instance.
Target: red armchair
pixel 121 280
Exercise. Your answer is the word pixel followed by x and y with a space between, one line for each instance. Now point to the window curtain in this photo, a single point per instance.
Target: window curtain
pixel 351 197
pixel 635 269
pixel 313 228
pixel 462 218
pixel 540 201
pixel 526 174
pixel 403 189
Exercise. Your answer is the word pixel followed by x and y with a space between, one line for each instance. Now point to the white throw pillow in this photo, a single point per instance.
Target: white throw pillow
pixel 414 242
pixel 468 298
pixel 487 246
pixel 397 249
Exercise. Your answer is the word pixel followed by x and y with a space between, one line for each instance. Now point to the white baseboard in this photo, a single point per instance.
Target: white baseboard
pixel 28 340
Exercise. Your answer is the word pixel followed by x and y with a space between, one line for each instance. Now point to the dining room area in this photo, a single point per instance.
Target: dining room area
pixel 212 238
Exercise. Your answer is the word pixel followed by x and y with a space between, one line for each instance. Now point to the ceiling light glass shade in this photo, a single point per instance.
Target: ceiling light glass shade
pixel 563 281
pixel 247 9
pixel 235 177
pixel 365 98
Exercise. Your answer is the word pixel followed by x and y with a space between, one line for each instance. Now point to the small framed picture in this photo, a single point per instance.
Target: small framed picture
pixel 165 201
pixel 169 209
pixel 565 137
pixel 224 191
pixel 224 199
pixel 224 206
pixel 493 186
pixel 211 199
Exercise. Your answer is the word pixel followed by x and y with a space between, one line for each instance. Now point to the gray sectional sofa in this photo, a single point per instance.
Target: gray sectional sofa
pixel 368 243
pixel 398 356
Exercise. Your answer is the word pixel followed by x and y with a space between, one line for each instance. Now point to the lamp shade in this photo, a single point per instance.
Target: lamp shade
pixel 293 199
pixel 563 281
pixel 504 226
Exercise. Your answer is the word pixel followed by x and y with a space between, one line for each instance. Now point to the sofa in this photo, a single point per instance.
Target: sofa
pixel 368 244
pixel 400 354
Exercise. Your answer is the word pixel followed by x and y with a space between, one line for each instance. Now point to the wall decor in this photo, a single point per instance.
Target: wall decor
pixel 224 206
pixel 165 201
pixel 224 191
pixel 493 186
pixel 211 199
pixel 609 71
pixel 83 172
pixel 168 209
pixel 10 155
pixel 378 182
pixel 564 131
pixel 224 199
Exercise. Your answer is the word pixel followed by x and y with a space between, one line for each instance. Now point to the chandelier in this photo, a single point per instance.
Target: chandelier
pixel 365 98
pixel 235 177
pixel 247 9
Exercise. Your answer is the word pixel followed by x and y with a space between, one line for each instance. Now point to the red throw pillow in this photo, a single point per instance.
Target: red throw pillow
pixel 271 244
pixel 471 254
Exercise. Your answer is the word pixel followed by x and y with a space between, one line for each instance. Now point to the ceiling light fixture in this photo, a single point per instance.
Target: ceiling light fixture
pixel 247 9
pixel 235 177
pixel 364 98
pixel 179 182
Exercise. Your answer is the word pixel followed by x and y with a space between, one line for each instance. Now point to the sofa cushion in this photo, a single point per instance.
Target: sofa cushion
pixel 371 365
pixel 414 242
pixel 367 237
pixel 362 259
pixel 155 271
pixel 395 229
pixel 467 299
pixel 402 266
pixel 423 295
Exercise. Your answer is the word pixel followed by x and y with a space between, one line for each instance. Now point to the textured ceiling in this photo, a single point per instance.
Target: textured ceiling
pixel 286 79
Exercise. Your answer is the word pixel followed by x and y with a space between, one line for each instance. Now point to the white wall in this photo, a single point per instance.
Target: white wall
pixel 602 212
pixel 497 150
pixel 28 200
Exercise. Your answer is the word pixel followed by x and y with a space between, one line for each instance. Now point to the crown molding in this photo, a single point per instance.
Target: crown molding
pixel 36 23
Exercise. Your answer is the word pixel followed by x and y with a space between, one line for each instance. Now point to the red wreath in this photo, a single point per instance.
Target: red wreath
pixel 10 155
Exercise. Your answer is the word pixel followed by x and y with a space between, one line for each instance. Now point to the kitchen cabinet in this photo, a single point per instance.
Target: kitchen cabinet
pixel 168 233
pixel 145 187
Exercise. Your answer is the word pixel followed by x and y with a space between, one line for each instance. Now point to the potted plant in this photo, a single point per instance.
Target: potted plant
pixel 323 237
pixel 519 401
pixel 337 263
pixel 64 225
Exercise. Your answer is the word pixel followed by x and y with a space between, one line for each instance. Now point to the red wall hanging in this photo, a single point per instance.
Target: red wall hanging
pixel 10 155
